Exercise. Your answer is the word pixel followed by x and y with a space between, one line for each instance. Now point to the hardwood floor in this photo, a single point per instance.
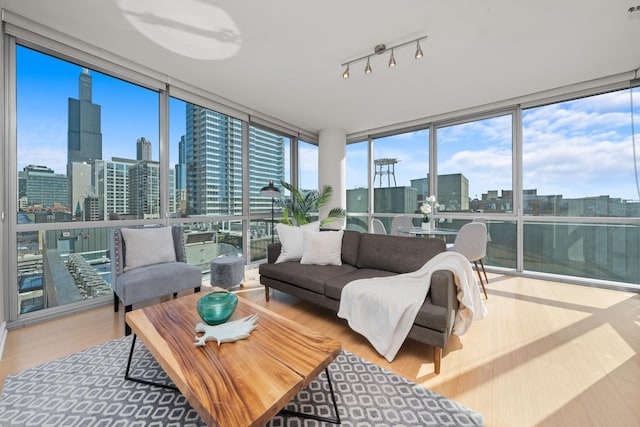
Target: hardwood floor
pixel 548 354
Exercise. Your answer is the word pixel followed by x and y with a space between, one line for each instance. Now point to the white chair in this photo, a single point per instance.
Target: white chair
pixel 400 221
pixel 377 227
pixel 471 242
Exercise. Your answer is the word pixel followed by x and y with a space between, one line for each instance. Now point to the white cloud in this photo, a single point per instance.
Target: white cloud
pixel 580 148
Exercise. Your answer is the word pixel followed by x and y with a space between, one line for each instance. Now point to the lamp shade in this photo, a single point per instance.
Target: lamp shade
pixel 270 190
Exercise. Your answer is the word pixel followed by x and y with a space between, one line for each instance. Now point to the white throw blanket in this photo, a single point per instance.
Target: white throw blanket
pixel 383 309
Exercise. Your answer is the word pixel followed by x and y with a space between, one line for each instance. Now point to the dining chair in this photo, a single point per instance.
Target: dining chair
pixel 471 242
pixel 400 222
pixel 377 227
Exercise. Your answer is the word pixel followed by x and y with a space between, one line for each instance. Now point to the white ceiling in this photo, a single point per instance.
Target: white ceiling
pixel 283 58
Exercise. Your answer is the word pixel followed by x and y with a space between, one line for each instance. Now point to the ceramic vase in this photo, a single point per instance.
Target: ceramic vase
pixel 426 226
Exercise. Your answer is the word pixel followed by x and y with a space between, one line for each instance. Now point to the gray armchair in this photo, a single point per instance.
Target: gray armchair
pixel 156 266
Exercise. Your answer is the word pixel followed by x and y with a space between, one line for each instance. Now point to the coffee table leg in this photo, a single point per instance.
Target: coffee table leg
pixel 139 380
pixel 335 420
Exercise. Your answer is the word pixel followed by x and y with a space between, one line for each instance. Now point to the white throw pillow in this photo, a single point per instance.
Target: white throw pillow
pixel 322 248
pixel 291 240
pixel 147 246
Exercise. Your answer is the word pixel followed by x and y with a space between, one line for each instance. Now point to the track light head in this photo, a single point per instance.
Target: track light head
pixel 419 53
pixel 345 75
pixel 392 60
pixel 367 69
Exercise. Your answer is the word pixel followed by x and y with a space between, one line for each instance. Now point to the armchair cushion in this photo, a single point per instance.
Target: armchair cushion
pixel 153 281
pixel 148 246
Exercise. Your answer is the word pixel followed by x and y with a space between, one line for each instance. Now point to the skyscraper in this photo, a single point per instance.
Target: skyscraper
pixel 84 138
pixel 214 163
pixel 144 189
pixel 213 156
pixel 84 142
pixel 112 186
pixel 181 166
pixel 266 162
pixel 80 178
pixel 143 149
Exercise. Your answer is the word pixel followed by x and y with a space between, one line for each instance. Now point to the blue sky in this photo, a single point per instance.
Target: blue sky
pixel 579 148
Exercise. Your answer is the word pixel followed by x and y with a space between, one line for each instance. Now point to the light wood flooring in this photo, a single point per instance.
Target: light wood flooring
pixel 548 354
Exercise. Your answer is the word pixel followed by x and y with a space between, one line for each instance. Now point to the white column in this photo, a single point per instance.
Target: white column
pixel 332 166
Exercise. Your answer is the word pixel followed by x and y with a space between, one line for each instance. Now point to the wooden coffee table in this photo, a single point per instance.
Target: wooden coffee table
pixel 243 383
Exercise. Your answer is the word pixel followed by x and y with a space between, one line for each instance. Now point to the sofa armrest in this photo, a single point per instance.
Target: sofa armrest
pixel 273 252
pixel 443 290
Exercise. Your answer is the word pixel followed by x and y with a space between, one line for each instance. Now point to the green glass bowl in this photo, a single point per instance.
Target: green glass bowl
pixel 217 307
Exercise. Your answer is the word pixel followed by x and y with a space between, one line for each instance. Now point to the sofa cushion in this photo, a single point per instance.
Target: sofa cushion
pixel 350 245
pixel 291 238
pixel 306 276
pixel 397 254
pixel 333 287
pixel 322 248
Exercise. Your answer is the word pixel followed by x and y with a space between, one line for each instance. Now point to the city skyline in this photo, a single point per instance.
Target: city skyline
pixel 581 148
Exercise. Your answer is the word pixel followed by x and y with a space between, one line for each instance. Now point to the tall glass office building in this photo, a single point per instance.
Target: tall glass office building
pixel 213 151
pixel 266 162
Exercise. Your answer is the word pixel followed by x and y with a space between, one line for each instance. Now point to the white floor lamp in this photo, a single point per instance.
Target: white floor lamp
pixel 273 192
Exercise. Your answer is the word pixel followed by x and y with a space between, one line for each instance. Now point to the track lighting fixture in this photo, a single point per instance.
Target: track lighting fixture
pixel 418 50
pixel 392 60
pixel 381 48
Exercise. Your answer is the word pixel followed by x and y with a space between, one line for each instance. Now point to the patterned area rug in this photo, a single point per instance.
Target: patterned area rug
pixel 88 389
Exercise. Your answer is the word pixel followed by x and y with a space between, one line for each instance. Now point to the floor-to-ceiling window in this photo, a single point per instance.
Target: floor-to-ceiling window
pixel 572 209
pixel 87 149
pixel 581 197
pixel 205 149
pixel 400 175
pixel 268 163
pixel 307 166
pixel 307 176
pixel 94 151
pixel 358 186
pixel 475 179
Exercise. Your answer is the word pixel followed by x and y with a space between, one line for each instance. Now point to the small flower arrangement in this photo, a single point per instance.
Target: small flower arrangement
pixel 428 207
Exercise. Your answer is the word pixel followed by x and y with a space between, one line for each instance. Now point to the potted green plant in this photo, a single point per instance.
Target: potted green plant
pixel 297 210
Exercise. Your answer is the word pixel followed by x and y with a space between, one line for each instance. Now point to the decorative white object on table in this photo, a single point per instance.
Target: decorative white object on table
pixel 426 226
pixel 428 207
pixel 226 332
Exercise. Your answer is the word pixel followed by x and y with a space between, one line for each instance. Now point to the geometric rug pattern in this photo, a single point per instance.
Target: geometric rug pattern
pixel 88 389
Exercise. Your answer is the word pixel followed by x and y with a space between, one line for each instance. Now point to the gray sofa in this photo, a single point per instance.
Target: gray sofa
pixel 367 255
